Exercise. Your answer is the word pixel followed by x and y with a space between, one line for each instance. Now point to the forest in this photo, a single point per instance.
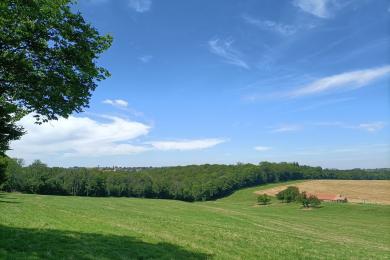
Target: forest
pixel 187 183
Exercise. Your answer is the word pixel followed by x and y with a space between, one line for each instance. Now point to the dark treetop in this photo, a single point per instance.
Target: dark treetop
pixel 47 62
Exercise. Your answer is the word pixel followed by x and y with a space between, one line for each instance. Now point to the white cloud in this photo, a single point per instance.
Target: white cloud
pixel 319 8
pixel 287 128
pixel 372 127
pixel 262 148
pixel 84 137
pixel 116 102
pixel 369 126
pixel 225 50
pixel 78 136
pixel 145 58
pixel 123 105
pixel 140 6
pixel 186 144
pixel 353 79
pixel 271 25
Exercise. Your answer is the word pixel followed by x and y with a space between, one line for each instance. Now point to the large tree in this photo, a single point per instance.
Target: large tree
pixel 48 64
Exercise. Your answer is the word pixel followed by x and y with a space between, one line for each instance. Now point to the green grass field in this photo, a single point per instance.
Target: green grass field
pixel 55 227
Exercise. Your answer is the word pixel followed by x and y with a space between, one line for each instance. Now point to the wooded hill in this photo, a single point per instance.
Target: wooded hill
pixel 188 183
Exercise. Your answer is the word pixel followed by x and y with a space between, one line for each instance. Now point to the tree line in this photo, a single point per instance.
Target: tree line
pixel 188 183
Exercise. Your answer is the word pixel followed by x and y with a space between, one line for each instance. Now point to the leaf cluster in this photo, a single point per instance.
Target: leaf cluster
pixel 47 61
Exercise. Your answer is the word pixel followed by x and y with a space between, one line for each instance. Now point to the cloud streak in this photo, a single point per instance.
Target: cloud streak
pixel 225 49
pixel 282 29
pixel 287 128
pixel 372 127
pixel 116 102
pixel 186 145
pixel 140 6
pixel 319 8
pixel 262 148
pixel 368 126
pixel 352 80
pixel 145 58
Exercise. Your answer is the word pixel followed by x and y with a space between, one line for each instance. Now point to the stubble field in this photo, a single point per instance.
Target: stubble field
pixel 357 191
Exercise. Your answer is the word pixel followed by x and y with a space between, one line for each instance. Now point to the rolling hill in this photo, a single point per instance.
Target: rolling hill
pixel 57 227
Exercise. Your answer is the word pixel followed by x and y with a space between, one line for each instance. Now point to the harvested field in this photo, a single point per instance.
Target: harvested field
pixel 357 191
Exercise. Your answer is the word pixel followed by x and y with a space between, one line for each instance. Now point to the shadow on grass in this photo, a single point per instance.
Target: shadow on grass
pixel 4 199
pixel 21 243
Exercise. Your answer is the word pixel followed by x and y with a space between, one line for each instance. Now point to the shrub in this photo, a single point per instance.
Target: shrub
pixel 309 201
pixel 263 199
pixel 288 195
pixel 314 201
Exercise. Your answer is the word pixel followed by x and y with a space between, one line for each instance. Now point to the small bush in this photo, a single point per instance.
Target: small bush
pixel 314 201
pixel 263 199
pixel 288 195
pixel 309 201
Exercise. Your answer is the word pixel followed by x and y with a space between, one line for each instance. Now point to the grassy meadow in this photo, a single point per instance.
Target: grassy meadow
pixel 60 227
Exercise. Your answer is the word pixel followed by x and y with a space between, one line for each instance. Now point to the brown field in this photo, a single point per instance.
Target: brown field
pixel 357 191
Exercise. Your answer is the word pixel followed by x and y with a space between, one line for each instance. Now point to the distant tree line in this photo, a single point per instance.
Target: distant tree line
pixel 188 183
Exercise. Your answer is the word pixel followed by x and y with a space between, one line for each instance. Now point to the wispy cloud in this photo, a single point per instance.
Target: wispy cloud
pixel 116 102
pixel 262 148
pixel 186 144
pixel 123 105
pixel 324 103
pixel 140 6
pixel 353 79
pixel 372 127
pixel 337 150
pixel 287 128
pixel 280 28
pixel 224 49
pixel 368 126
pixel 319 8
pixel 145 58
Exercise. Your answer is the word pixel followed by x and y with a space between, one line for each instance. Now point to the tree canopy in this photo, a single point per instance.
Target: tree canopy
pixel 47 62
pixel 188 183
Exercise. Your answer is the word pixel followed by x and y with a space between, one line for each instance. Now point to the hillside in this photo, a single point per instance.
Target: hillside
pixel 188 183
pixel 54 227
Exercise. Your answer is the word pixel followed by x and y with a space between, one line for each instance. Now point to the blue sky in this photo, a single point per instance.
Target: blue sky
pixel 228 81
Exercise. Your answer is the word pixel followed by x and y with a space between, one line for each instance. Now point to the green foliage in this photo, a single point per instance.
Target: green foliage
pixel 59 227
pixel 309 201
pixel 188 183
pixel 263 199
pixel 9 115
pixel 289 194
pixel 47 62
pixel 314 201
pixel 3 168
pixel 303 199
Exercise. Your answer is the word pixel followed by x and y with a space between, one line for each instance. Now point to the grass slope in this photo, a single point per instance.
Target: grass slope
pixel 55 227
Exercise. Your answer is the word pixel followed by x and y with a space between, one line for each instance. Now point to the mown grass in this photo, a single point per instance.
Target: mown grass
pixel 55 227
